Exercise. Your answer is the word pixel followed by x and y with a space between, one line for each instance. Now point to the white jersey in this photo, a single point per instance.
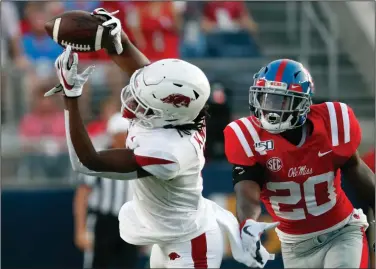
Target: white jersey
pixel 167 206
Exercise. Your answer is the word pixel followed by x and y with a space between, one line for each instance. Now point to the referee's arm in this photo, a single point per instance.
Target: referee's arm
pixel 80 205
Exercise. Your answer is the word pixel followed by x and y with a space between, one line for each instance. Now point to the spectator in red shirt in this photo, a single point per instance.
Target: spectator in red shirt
pixel 227 16
pixel 42 136
pixel 369 159
pixel 229 25
pixel 155 28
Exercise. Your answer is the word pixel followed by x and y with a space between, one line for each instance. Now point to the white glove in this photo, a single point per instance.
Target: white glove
pixel 112 22
pixel 70 82
pixel 250 234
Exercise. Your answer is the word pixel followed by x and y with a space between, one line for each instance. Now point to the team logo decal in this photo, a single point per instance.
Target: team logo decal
pixel 299 171
pixel 173 256
pixel 264 145
pixel 177 100
pixel 274 164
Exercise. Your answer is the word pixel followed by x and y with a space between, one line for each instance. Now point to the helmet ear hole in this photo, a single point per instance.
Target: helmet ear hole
pixel 149 112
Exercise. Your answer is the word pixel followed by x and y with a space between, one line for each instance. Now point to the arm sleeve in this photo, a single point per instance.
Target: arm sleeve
pixel 237 149
pixel 79 167
pixel 159 162
pixel 254 173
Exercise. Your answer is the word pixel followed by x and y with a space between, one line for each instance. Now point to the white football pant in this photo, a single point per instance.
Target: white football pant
pixel 204 251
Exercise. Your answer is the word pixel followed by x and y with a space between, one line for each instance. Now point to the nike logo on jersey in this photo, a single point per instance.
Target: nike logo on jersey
pixel 324 153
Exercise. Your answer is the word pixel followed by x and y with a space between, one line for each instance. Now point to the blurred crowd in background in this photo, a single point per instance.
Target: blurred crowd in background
pixel 171 29
pixel 217 30
pixel 159 29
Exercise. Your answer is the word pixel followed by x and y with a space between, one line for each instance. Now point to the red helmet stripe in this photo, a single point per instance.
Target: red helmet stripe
pixel 280 70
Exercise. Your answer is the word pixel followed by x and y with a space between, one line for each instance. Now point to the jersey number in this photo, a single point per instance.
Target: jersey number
pixel 309 193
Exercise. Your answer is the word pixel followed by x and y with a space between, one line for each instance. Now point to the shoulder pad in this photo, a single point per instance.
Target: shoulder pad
pixel 240 137
pixel 343 128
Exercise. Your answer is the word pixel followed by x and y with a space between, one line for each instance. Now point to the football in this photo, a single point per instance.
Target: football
pixel 79 29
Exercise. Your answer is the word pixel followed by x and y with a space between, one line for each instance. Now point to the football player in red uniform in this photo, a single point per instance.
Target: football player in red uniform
pixel 289 155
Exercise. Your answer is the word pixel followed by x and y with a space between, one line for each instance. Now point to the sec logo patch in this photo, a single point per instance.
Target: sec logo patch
pixel 274 164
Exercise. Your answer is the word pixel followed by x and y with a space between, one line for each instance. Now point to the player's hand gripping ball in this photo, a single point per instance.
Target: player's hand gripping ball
pixel 114 24
pixel 86 32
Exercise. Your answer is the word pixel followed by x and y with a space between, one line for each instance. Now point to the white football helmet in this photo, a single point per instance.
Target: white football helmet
pixel 166 92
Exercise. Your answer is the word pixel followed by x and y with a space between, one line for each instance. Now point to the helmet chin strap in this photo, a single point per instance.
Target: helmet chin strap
pixel 275 128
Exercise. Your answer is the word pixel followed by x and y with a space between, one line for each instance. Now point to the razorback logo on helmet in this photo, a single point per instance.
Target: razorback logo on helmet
pixel 177 100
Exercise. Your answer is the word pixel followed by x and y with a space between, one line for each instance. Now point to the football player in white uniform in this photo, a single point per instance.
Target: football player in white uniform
pixel 166 102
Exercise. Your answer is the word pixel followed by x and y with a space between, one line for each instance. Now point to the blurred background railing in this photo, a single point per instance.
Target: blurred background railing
pixel 230 41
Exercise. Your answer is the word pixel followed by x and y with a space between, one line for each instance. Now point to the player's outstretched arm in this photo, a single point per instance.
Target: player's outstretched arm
pixel 361 178
pixel 131 59
pixel 248 210
pixel 119 47
pixel 247 200
pixel 247 182
pixel 114 160
pixel 117 163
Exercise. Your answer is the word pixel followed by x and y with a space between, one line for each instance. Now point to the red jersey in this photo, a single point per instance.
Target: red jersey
pixel 302 188
pixel 234 9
